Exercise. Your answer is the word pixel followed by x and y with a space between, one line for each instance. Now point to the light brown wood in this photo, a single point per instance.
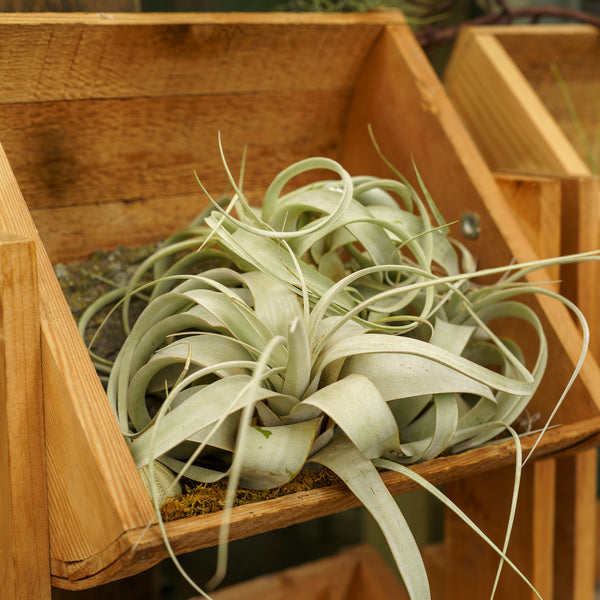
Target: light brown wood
pixel 580 229
pixel 508 121
pixel 24 545
pixel 486 500
pixel 576 542
pixel 537 203
pixel 90 56
pixel 356 572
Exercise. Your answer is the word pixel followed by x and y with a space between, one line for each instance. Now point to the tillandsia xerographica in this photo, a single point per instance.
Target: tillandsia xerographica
pixel 337 324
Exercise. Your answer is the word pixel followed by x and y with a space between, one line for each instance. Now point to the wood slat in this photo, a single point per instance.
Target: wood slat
pixel 486 500
pixel 24 545
pixel 537 203
pixel 80 57
pixel 89 152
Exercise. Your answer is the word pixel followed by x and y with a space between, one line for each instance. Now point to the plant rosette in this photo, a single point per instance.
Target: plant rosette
pixel 337 324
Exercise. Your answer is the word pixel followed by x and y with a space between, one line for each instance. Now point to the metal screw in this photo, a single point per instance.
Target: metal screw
pixel 470 226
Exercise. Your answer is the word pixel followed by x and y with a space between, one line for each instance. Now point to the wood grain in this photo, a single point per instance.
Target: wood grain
pixel 91 56
pixel 537 203
pixel 75 153
pixel 486 500
pixel 67 5
pixel 508 121
pixel 24 545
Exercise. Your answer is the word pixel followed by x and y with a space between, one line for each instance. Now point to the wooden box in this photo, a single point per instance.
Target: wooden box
pixel 529 98
pixel 104 118
pixel 513 87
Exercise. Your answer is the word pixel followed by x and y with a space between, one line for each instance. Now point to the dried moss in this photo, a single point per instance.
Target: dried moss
pixel 85 281
pixel 201 499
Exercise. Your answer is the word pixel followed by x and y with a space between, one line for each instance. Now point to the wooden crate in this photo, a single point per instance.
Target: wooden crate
pixel 501 81
pixel 103 119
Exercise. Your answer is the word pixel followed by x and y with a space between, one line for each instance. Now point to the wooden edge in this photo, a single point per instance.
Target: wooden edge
pixel 142 548
pixel 71 383
pixel 24 544
pixel 375 17
pixel 537 201
pixel 562 29
pixel 504 115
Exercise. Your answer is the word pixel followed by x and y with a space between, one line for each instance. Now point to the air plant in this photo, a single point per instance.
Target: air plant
pixel 338 324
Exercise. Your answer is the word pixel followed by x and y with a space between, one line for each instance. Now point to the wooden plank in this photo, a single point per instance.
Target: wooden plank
pixel 519 134
pixel 580 226
pixel 577 475
pixel 486 500
pixel 81 57
pixel 24 546
pixel 89 152
pixel 576 543
pixel 531 43
pixel 537 202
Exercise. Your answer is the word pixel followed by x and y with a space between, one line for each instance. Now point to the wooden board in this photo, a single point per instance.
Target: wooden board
pixel 357 572
pixel 85 85
pixel 24 533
